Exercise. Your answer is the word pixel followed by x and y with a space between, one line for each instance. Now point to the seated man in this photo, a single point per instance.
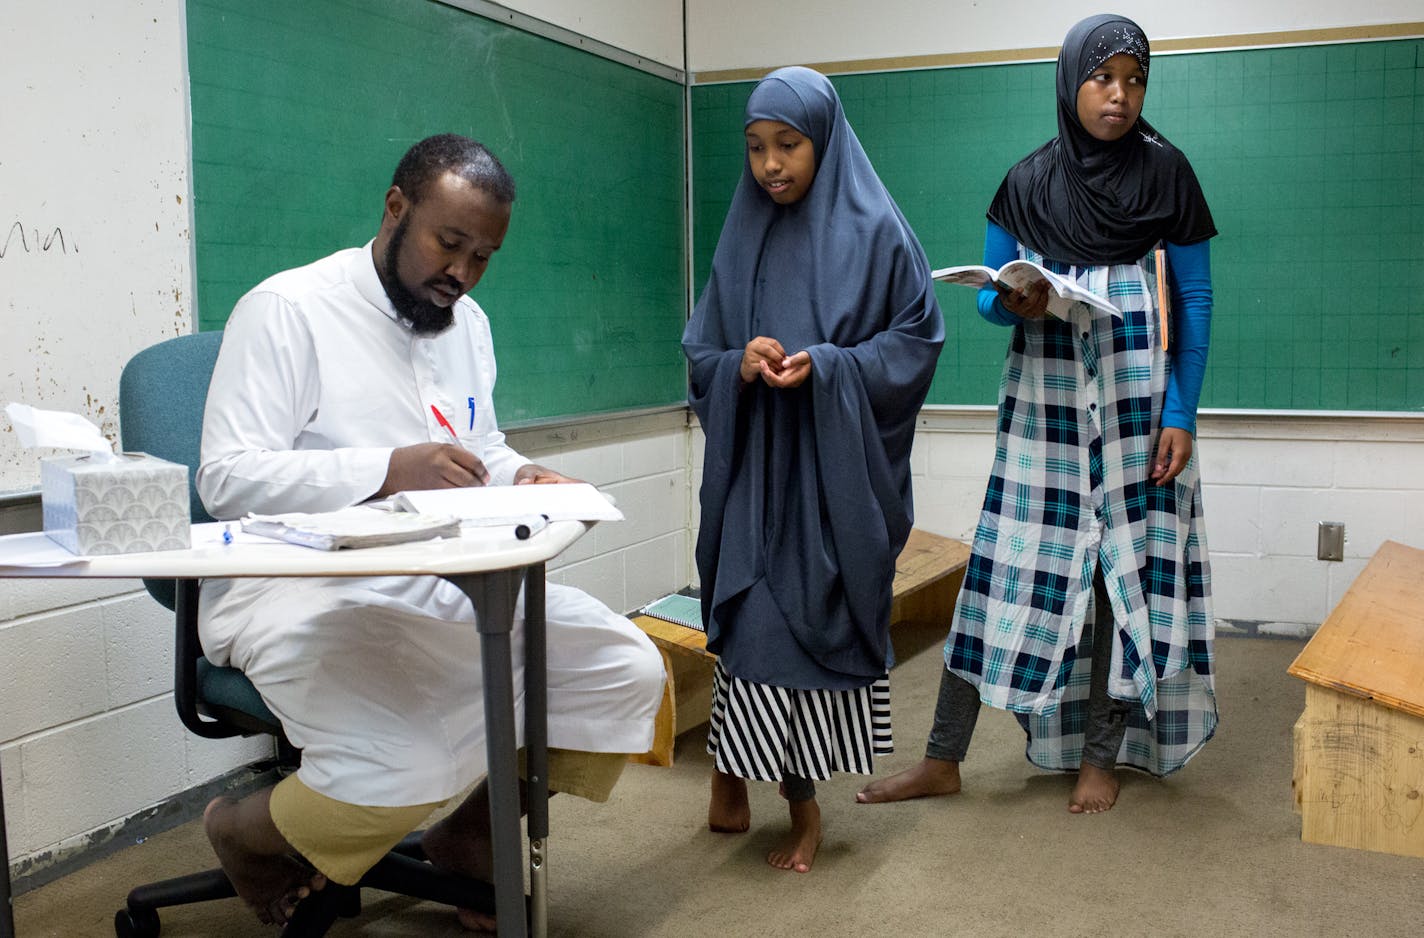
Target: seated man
pixel 322 398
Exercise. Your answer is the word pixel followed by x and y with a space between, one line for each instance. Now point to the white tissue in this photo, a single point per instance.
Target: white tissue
pixel 59 429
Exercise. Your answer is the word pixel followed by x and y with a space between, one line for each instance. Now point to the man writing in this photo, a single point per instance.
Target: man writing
pixel 322 398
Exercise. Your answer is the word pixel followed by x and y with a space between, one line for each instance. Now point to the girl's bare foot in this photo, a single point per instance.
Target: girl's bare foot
pixel 1095 792
pixel 728 811
pixel 798 851
pixel 928 778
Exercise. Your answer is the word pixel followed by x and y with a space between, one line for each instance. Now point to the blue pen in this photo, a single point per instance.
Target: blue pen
pixel 472 413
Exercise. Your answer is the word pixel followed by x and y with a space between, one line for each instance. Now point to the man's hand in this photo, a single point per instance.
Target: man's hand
pixel 539 475
pixel 1174 448
pixel 432 466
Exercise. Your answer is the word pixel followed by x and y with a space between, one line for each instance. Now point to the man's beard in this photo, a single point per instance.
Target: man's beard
pixel 423 316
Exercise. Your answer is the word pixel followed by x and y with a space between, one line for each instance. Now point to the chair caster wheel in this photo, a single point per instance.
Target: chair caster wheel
pixel 142 923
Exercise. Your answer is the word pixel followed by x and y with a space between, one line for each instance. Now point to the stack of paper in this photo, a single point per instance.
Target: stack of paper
pixel 511 504
pixel 352 527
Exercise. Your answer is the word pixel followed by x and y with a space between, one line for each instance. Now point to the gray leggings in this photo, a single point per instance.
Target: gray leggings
pixel 957 709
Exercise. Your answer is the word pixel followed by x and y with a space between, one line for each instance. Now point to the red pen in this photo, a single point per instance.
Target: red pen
pixel 440 419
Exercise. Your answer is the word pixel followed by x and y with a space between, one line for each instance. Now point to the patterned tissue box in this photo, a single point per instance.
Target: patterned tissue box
pixel 132 504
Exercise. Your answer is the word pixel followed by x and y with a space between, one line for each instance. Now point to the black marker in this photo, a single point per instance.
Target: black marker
pixel 524 530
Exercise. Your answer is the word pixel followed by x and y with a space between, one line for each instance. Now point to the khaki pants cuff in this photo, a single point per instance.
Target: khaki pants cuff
pixel 589 775
pixel 341 840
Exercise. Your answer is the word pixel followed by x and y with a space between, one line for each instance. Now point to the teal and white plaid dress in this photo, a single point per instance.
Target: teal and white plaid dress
pixel 1080 404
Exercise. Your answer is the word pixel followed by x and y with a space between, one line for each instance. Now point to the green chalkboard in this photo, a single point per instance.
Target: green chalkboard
pixel 301 110
pixel 1310 158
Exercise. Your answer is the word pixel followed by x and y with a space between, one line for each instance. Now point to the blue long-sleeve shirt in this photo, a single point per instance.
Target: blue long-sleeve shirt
pixel 1189 277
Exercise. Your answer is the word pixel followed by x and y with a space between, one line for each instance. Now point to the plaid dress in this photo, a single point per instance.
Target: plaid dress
pixel 1080 404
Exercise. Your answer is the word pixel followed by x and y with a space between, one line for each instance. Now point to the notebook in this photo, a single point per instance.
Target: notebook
pixel 683 610
pixel 356 526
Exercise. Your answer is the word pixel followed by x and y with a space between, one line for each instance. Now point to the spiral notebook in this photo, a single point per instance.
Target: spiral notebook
pixel 677 608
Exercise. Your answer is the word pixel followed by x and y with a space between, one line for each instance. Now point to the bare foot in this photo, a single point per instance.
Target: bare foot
pixel 257 860
pixel 461 843
pixel 928 778
pixel 1095 792
pixel 798 851
pixel 728 811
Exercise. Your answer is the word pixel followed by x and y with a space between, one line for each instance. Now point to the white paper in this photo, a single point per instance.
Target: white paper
pixel 512 504
pixel 36 550
pixel 58 429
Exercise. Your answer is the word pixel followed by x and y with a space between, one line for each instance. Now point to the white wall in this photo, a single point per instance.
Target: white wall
pixel 94 203
pixel 651 28
pixel 724 34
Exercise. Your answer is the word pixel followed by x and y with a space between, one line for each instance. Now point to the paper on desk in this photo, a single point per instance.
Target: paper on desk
pixel 58 429
pixel 509 504
pixel 36 550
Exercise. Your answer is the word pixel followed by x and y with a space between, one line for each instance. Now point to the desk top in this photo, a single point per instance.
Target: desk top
pixel 1372 643
pixel 477 550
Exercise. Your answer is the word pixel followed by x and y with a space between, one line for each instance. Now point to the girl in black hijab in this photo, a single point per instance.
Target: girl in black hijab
pixel 811 350
pixel 1086 608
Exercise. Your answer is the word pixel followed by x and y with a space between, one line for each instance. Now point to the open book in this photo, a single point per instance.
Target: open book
pixel 512 504
pixel 356 526
pixel 1063 295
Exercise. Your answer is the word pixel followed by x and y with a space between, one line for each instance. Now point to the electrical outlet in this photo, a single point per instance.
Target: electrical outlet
pixel 1330 541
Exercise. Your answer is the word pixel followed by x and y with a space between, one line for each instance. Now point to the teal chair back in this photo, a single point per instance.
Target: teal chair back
pixel 162 393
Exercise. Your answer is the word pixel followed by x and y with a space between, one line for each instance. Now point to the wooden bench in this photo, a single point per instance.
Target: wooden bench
pixel 1359 745
pixel 928 574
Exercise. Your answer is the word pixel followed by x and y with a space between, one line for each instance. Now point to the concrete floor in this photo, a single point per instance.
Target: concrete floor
pixel 1213 850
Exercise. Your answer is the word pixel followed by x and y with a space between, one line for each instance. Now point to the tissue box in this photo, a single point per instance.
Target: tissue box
pixel 130 504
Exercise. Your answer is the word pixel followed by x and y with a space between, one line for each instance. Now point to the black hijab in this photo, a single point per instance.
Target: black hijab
pixel 1081 200
pixel 806 491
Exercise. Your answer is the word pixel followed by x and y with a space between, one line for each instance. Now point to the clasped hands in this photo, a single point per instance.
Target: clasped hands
pixel 445 465
pixel 765 358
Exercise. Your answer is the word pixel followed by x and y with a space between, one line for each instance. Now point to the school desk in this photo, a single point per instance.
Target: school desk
pixel 488 564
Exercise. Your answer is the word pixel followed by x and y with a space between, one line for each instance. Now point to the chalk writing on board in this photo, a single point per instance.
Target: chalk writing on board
pixel 30 241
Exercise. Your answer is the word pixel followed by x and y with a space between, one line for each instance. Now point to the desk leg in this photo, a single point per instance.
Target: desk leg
pixel 7 912
pixel 493 595
pixel 536 741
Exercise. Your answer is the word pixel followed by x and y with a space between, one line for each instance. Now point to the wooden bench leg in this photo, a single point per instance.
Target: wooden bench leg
pixel 665 727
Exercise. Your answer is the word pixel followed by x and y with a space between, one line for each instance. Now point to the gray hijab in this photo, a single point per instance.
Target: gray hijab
pixel 806 491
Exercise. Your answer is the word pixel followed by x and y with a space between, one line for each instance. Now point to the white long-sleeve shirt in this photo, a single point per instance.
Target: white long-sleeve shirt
pixel 377 679
pixel 319 380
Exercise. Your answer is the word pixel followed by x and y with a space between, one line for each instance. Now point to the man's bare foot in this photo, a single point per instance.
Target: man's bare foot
pixel 1095 792
pixel 259 863
pixel 466 853
pixel 728 810
pixel 461 843
pixel 928 778
pixel 798 851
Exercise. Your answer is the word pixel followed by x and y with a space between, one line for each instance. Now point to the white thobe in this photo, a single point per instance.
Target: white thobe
pixel 378 680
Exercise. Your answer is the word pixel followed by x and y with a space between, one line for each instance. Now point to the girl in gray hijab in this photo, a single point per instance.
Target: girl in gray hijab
pixel 811 350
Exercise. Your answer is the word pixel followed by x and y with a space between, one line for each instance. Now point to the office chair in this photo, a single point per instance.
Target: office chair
pixel 162 393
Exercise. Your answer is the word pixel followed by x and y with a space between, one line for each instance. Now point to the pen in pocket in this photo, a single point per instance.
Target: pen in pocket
pixel 440 419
